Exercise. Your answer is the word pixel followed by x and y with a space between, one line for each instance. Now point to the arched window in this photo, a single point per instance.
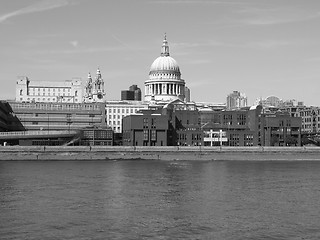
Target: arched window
pixel 76 93
pixel 21 92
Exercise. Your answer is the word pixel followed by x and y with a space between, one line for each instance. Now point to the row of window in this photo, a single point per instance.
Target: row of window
pixel 49 89
pixel 123 110
pixel 53 94
pixel 48 106
pixel 153 135
pixel 50 99
pixel 146 122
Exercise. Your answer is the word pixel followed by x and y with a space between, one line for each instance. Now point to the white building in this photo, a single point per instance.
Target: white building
pixel 164 83
pixel 68 91
pixel 215 138
pixel 116 110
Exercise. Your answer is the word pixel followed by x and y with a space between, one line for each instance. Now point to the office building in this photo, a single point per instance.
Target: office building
pixel 117 110
pixel 133 94
pixel 68 91
pixel 176 124
pixel 59 116
pixel 236 100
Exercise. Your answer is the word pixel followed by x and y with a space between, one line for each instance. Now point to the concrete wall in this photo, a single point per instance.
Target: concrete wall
pixel 159 153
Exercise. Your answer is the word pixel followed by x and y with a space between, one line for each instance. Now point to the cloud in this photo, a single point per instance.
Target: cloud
pixel 272 16
pixel 74 43
pixel 78 50
pixel 41 6
pixel 225 2
pixel 267 44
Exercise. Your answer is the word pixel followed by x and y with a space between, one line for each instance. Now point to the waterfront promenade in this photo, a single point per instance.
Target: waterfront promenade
pixel 157 153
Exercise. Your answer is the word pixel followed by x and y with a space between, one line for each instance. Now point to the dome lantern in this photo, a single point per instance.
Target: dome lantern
pixel 165 47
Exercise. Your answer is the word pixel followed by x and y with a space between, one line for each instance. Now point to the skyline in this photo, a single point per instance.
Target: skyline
pixel 259 48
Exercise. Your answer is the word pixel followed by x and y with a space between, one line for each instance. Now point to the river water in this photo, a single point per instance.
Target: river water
pixel 159 200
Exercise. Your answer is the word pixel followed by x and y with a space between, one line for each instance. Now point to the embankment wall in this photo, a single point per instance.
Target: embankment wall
pixel 157 153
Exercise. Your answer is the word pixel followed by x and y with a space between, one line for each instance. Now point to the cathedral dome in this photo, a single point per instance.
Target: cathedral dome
pixel 164 66
pixel 165 63
pixel 164 83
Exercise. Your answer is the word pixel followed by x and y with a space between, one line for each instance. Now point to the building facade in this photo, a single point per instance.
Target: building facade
pixel 96 136
pixel 117 110
pixel 165 82
pixel 250 127
pixel 149 129
pixel 68 91
pixel 280 129
pixel 133 94
pixel 236 100
pixel 8 119
pixel 59 116
pixel 175 124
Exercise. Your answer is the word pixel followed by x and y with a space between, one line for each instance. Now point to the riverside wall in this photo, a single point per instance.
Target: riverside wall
pixel 62 153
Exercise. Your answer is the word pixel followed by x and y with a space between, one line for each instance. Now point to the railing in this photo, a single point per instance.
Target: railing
pixel 33 133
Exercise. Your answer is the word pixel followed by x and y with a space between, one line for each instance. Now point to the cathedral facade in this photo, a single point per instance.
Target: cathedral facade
pixel 164 83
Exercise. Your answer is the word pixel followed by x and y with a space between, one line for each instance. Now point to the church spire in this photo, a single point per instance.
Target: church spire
pixel 165 47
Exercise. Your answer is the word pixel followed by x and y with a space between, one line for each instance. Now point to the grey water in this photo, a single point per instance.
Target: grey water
pixel 159 200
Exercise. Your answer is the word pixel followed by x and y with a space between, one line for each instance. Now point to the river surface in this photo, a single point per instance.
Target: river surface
pixel 159 200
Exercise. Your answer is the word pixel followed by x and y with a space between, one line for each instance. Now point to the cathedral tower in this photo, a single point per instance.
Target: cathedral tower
pixel 94 91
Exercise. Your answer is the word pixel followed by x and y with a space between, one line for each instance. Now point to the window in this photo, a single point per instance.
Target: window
pixel 145 122
pixel 21 92
pixel 145 135
pixel 153 123
pixel 153 135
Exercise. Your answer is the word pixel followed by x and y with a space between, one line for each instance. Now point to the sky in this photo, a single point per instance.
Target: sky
pixel 258 47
